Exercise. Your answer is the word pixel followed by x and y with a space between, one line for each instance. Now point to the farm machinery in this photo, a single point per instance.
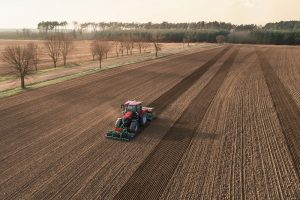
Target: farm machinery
pixel 134 117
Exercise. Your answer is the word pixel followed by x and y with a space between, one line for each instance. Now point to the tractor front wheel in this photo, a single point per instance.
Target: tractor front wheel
pixel 134 127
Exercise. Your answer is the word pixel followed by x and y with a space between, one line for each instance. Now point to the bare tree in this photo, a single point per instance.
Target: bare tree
pixel 117 46
pixel 34 48
pixel 141 44
pixel 220 39
pixel 127 45
pixel 107 50
pixel 54 47
pixel 132 42
pixel 67 47
pixel 156 37
pixel 187 38
pixel 122 45
pixel 20 58
pixel 93 52
pixel 100 48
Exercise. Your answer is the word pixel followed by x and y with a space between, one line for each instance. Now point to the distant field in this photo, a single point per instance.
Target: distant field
pixel 227 127
pixel 81 52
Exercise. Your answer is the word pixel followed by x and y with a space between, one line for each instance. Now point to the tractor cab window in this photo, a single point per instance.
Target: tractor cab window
pixel 130 108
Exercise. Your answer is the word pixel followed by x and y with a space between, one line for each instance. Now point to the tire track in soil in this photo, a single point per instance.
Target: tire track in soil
pixel 152 176
pixel 71 132
pixel 193 176
pixel 52 101
pixel 200 73
pixel 12 102
pixel 62 111
pixel 167 98
pixel 286 109
pixel 55 105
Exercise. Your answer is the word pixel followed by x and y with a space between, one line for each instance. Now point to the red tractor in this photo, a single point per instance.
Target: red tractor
pixel 134 117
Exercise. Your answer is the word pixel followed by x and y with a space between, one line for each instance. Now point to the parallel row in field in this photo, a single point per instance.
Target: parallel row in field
pixel 116 167
pixel 286 110
pixel 221 133
pixel 242 153
pixel 285 63
pixel 154 173
pixel 247 150
pixel 61 126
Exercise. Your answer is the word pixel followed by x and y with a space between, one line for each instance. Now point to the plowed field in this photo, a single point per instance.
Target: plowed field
pixel 228 127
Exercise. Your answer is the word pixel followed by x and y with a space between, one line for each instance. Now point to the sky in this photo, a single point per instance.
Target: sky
pixel 27 13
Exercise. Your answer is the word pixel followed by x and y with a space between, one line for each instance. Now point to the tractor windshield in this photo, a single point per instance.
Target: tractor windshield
pixel 130 108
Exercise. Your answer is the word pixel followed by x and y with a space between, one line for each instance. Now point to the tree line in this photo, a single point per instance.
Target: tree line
pixel 24 59
pixel 201 25
pixel 278 37
pixel 126 36
pixel 285 32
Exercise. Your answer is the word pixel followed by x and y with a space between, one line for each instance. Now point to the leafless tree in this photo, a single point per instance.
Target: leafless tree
pixel 156 37
pixel 132 43
pixel 54 46
pixel 67 47
pixel 127 45
pixel 34 48
pixel 100 48
pixel 117 46
pixel 21 59
pixel 93 52
pixel 141 44
pixel 107 49
pixel 220 39
pixel 122 45
pixel 187 38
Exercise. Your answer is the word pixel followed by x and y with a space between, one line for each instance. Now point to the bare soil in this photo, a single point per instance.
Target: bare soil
pixel 227 127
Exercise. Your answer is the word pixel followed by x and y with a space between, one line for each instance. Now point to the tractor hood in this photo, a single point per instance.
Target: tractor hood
pixel 128 115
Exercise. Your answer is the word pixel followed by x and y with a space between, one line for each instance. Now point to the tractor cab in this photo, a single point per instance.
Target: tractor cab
pixel 132 106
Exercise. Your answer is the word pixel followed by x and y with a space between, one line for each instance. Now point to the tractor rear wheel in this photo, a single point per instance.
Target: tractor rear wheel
pixel 134 127
pixel 144 119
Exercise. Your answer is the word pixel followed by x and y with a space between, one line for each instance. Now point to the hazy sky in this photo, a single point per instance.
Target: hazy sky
pixel 27 13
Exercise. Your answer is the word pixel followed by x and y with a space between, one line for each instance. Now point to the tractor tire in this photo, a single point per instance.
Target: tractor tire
pixel 134 127
pixel 144 119
pixel 118 123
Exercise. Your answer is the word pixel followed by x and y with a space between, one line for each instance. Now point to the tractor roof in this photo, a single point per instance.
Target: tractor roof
pixel 133 103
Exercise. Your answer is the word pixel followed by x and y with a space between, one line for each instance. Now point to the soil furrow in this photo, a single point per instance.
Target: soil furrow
pixel 183 85
pixel 33 182
pixel 150 179
pixel 60 111
pixel 83 170
pixel 286 109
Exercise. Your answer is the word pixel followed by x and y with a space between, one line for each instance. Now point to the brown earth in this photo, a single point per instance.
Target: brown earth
pixel 227 127
pixel 80 53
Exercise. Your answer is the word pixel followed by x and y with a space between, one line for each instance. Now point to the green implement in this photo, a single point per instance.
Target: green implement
pixel 120 134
